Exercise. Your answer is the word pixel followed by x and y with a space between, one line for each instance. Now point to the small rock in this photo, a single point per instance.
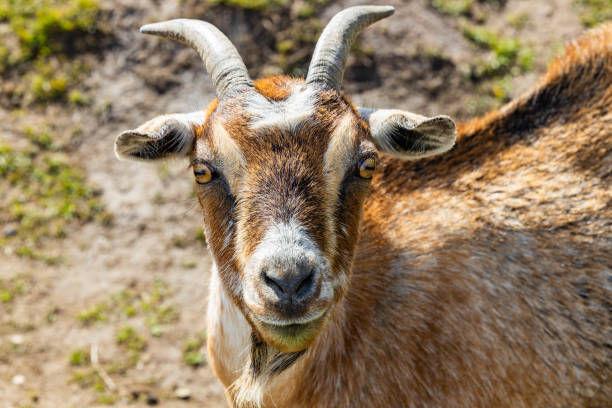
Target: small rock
pixel 16 339
pixel 151 400
pixel 18 379
pixel 10 230
pixel 183 393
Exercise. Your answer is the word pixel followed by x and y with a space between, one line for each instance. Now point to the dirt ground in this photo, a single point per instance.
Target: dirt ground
pixel 134 292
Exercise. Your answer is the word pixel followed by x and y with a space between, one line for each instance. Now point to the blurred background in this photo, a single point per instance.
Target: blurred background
pixel 103 264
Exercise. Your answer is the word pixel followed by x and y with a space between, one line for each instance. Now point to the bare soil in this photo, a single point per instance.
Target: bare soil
pixel 415 60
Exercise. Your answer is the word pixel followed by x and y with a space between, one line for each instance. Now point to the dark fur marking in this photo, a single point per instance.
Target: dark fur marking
pixel 283 361
pixel 259 354
pixel 267 361
pixel 407 140
pixel 169 144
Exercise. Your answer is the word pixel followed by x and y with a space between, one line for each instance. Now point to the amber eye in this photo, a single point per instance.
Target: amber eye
pixel 202 173
pixel 367 167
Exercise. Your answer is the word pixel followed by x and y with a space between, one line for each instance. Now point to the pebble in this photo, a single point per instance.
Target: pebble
pixel 16 339
pixel 10 230
pixel 183 393
pixel 18 379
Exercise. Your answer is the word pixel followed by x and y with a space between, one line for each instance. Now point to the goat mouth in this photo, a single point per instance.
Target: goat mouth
pixel 289 330
pixel 292 337
pixel 300 321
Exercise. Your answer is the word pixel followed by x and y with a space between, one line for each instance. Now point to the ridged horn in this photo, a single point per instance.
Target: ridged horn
pixel 329 57
pixel 221 59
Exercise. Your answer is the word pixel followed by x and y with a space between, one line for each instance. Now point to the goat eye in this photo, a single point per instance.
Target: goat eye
pixel 202 173
pixel 367 167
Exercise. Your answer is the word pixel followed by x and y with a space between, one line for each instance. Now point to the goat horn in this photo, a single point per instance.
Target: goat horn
pixel 222 61
pixel 329 57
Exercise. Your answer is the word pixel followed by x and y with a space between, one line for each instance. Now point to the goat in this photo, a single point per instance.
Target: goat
pixel 347 274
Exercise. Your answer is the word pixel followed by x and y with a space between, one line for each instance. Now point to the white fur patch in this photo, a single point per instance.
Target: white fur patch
pixel 286 114
pixel 227 327
pixel 231 156
pixel 336 160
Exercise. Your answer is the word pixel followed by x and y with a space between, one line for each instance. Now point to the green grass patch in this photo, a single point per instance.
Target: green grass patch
pixel 194 353
pixel 188 240
pixel 79 357
pixel 518 20
pixel 453 7
pixel 95 314
pixel 250 4
pixel 48 26
pixel 88 378
pixel 41 139
pixel 152 303
pixel 200 236
pixel 189 264
pixel 14 287
pixel 593 12
pixel 44 37
pixel 43 194
pixel 130 339
pixel 106 398
pixel 507 55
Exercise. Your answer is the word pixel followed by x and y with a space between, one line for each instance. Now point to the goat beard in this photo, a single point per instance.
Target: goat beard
pixel 264 364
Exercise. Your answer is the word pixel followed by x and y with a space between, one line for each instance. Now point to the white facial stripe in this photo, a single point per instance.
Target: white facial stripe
pixel 227 151
pixel 299 106
pixel 336 161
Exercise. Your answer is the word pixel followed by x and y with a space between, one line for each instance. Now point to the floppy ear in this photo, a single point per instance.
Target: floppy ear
pixel 160 138
pixel 407 135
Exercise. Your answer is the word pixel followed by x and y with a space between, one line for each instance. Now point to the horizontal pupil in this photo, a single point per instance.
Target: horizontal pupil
pixel 200 173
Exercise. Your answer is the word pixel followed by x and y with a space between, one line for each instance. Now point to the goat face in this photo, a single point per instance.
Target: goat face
pixel 282 168
pixel 282 202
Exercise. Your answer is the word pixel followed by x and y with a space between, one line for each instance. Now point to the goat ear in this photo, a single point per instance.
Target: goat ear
pixel 408 135
pixel 160 138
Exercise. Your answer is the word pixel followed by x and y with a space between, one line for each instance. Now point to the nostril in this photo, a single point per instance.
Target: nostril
pixel 272 283
pixel 306 283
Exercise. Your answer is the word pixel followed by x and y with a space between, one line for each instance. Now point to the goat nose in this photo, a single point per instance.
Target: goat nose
pixel 296 283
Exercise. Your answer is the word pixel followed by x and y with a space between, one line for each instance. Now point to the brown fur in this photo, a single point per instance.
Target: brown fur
pixel 479 278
